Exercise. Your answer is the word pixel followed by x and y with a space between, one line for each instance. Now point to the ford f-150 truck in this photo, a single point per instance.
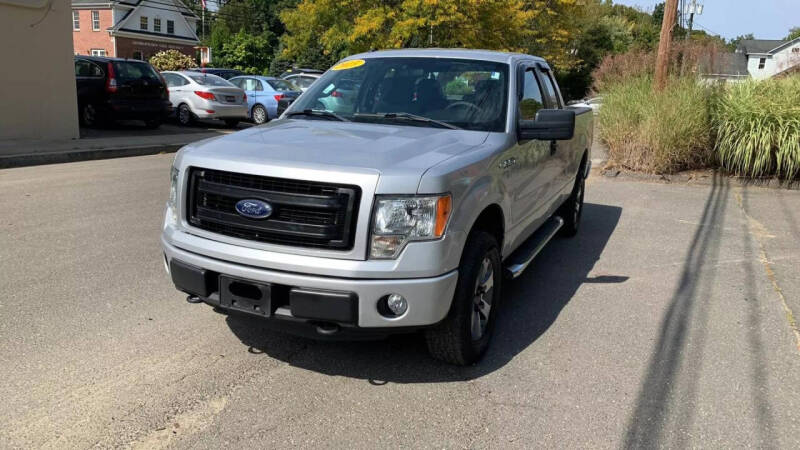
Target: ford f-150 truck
pixel 396 194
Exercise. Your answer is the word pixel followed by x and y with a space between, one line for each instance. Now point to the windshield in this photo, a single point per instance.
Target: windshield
pixel 468 94
pixel 209 80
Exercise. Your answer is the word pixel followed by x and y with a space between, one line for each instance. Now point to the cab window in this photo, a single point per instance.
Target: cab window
pixel 531 101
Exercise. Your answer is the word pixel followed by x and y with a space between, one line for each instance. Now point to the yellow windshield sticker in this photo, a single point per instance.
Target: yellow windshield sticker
pixel 353 63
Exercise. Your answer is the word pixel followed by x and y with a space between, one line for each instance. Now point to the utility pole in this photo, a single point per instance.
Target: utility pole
pixel 692 8
pixel 664 43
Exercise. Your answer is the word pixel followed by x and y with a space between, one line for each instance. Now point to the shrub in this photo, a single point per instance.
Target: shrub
pixel 172 60
pixel 758 128
pixel 657 132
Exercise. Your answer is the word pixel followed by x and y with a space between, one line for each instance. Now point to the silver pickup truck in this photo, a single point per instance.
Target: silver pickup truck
pixel 394 195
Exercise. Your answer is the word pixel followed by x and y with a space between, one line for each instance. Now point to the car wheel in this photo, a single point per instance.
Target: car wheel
pixel 259 114
pixel 572 209
pixel 89 115
pixel 231 123
pixel 185 116
pixel 463 336
pixel 153 123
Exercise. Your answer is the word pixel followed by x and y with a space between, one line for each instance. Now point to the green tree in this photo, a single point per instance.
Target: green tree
pixel 246 52
pixel 794 33
pixel 733 43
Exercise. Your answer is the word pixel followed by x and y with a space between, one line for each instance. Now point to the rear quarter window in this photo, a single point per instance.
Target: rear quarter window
pixel 128 71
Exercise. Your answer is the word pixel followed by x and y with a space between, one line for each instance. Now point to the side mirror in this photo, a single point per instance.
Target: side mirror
pixel 550 125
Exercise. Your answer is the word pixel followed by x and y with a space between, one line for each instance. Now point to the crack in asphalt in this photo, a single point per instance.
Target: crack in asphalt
pixel 759 231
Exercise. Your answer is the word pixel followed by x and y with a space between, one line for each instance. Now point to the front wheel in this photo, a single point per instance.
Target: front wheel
pixel 464 335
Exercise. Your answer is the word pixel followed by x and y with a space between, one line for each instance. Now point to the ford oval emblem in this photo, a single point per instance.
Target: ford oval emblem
pixel 253 209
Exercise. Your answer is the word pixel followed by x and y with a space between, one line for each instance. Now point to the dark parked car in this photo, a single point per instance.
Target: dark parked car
pixel 114 88
pixel 223 73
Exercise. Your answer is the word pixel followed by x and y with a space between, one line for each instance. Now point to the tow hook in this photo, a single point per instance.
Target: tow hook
pixel 193 299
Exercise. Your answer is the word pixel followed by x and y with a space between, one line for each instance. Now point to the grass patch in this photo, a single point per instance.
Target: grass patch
pixel 657 132
pixel 758 128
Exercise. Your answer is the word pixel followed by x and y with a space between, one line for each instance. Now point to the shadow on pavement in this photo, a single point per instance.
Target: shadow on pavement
pixel 531 305
pixel 679 348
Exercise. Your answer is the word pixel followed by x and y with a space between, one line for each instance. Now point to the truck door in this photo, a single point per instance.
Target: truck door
pixel 561 151
pixel 534 171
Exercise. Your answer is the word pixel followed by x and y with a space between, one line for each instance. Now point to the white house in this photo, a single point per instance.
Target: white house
pixel 766 58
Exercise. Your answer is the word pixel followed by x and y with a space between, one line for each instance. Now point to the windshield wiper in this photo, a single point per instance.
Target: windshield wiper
pixel 317 113
pixel 408 116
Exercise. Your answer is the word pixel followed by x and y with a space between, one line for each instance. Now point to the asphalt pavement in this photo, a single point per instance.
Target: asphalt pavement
pixel 669 321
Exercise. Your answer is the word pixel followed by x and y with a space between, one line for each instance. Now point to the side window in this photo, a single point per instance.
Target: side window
pixel 550 90
pixel 95 70
pixel 172 80
pixel 237 83
pixel 85 68
pixel 531 101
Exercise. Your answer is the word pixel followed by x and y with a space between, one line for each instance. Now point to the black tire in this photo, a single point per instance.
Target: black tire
pixel 454 340
pixel 89 115
pixel 572 209
pixel 259 115
pixel 231 123
pixel 153 123
pixel 185 115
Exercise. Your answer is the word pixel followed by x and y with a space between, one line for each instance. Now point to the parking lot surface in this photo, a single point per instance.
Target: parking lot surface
pixel 669 321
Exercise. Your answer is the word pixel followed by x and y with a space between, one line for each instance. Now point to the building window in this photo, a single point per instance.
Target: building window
pixel 138 55
pixel 143 23
pixel 157 25
pixel 762 62
pixel 95 20
pixel 98 52
pixel 170 27
pixel 76 21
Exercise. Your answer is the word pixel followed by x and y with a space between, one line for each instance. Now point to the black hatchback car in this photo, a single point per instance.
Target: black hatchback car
pixel 115 88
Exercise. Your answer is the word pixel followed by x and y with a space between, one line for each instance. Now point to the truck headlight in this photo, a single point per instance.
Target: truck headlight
pixel 172 201
pixel 398 220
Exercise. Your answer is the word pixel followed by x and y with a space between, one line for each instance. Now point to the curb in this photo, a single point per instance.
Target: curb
pixel 36 159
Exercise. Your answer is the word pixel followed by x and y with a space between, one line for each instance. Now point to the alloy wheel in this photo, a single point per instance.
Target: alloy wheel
pixel 482 300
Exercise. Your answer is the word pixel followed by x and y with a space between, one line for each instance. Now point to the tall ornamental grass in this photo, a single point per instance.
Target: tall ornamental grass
pixel 758 128
pixel 662 132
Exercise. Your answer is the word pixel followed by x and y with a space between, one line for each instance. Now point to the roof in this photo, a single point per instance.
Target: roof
pixel 482 55
pixel 749 46
pixel 162 4
pixel 723 64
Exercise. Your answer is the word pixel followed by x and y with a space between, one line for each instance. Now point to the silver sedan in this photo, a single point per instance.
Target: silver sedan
pixel 197 95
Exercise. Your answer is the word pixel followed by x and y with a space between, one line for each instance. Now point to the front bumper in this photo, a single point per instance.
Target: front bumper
pixel 428 298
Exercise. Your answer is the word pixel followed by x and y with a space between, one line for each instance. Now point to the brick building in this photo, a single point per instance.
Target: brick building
pixel 132 28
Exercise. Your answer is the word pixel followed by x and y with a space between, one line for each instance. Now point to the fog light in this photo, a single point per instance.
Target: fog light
pixel 397 304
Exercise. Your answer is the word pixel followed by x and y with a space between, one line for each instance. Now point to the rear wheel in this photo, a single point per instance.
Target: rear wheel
pixel 572 209
pixel 89 115
pixel 185 116
pixel 259 114
pixel 463 337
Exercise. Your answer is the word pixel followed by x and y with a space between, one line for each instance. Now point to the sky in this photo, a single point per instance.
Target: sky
pixel 766 19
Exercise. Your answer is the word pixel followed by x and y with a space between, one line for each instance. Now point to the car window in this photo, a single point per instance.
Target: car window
pixel 372 89
pixel 550 90
pixel 206 79
pixel 126 71
pixel 85 68
pixel 304 82
pixel 172 79
pixel 531 101
pixel 281 85
pixel 250 84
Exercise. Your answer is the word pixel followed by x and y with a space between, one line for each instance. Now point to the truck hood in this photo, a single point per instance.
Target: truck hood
pixel 399 154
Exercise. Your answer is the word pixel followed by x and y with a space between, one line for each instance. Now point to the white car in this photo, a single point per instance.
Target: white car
pixel 197 95
pixel 302 80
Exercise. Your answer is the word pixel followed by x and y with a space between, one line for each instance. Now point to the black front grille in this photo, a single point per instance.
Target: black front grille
pixel 304 214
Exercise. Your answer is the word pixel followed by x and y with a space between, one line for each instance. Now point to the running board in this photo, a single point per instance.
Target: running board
pixel 522 257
